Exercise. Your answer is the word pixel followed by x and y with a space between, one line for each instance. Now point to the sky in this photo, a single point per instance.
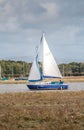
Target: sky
pixel 22 23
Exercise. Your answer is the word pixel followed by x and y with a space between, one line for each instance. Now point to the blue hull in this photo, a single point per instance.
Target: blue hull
pixel 47 86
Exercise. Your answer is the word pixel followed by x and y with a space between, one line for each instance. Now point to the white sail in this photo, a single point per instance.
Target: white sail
pixel 50 68
pixel 34 74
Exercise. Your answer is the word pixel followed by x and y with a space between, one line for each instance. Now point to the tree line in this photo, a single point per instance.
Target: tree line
pixel 72 69
pixel 14 68
pixel 21 69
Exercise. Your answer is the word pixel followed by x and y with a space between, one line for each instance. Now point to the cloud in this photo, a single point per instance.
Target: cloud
pixel 52 10
pixel 8 21
pixel 71 11
pixel 15 15
pixel 22 22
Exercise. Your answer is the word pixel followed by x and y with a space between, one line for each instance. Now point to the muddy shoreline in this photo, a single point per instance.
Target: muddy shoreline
pixel 65 79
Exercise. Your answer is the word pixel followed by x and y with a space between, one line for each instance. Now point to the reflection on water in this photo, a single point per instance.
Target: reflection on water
pixel 23 88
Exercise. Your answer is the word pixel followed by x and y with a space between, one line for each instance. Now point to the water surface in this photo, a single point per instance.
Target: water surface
pixel 6 88
pixel 76 86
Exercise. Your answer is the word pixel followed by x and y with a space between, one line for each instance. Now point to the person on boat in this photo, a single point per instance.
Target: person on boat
pixel 61 82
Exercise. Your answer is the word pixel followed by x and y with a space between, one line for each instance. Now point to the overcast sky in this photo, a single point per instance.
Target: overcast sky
pixel 23 21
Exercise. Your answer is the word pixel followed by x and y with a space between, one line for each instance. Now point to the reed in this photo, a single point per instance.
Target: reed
pixel 55 110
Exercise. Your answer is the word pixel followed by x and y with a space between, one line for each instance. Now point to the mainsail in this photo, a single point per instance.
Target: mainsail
pixel 50 68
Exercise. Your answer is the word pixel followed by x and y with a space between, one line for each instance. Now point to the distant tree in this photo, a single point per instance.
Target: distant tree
pixel 20 68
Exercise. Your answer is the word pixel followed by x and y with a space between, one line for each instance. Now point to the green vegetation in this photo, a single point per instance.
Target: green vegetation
pixel 56 110
pixel 72 69
pixel 14 68
pixel 21 69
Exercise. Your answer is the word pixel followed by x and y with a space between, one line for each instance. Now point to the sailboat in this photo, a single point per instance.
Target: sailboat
pixel 49 70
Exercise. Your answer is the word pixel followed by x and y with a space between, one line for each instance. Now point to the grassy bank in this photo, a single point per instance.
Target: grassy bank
pixel 65 79
pixel 59 110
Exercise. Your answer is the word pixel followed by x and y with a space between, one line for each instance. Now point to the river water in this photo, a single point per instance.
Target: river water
pixel 7 88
